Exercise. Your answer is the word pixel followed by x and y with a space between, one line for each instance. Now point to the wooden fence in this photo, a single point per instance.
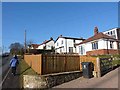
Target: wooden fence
pixel 35 62
pixel 107 64
pixel 56 63
pixel 53 63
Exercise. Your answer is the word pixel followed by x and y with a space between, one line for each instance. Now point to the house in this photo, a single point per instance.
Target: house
pixel 115 33
pixel 99 44
pixel 47 44
pixel 33 46
pixel 66 44
pixel 46 47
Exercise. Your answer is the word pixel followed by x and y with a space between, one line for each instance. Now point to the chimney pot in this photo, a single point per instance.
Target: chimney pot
pixel 96 31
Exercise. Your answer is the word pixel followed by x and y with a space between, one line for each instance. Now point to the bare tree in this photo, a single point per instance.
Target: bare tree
pixel 16 48
pixel 29 42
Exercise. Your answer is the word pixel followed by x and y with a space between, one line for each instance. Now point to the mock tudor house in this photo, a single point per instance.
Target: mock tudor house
pixel 99 44
pixel 66 44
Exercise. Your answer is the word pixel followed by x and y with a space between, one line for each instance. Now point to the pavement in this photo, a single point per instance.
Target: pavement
pixel 109 80
pixel 10 81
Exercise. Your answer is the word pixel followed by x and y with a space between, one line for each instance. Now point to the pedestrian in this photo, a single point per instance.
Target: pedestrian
pixel 13 64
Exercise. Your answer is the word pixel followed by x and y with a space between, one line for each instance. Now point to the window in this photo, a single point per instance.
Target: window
pixel 62 42
pixel 111 32
pixel 114 36
pixel 81 50
pixel 108 33
pixel 94 45
pixel 119 46
pixel 74 40
pixel 70 49
pixel 60 50
pixel 111 45
pixel 57 44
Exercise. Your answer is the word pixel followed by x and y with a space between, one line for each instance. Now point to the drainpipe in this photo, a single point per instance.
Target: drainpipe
pixel 107 47
pixel 118 46
pixel 66 46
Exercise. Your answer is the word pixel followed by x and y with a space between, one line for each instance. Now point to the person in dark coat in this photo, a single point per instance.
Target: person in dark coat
pixel 13 64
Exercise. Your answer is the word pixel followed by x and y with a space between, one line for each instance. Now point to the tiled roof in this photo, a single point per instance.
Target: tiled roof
pixel 46 41
pixel 95 37
pixel 35 45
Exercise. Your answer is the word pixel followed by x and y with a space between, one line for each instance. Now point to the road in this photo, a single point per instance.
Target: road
pixel 110 80
pixel 4 67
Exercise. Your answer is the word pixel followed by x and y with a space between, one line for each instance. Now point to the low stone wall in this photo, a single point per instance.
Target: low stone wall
pixel 48 81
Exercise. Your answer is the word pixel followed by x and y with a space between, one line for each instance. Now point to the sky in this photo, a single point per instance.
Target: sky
pixel 43 20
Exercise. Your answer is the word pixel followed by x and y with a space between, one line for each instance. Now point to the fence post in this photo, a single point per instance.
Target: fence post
pixel 98 67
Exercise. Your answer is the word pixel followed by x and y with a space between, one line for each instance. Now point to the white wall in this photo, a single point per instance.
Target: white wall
pixel 40 47
pixel 114 35
pixel 102 44
pixel 78 49
pixel 60 45
pixel 66 44
pixel 49 45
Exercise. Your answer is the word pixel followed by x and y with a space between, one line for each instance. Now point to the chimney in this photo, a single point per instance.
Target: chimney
pixel 51 38
pixel 96 31
pixel 60 36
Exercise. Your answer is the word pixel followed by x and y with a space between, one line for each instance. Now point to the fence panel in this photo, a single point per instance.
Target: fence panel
pixel 56 63
pixel 34 61
pixel 105 66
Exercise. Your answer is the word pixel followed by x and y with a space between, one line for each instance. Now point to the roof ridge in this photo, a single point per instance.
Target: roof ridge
pixel 97 36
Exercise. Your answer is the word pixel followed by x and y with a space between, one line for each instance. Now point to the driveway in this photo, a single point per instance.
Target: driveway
pixel 110 80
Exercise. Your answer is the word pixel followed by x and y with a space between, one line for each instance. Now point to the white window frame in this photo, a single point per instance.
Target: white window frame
pixel 95 45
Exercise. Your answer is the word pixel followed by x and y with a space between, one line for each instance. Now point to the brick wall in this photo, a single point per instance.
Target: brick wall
pixel 88 59
pixel 103 52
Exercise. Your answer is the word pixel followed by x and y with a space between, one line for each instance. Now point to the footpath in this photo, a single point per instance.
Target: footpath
pixel 109 80
pixel 11 82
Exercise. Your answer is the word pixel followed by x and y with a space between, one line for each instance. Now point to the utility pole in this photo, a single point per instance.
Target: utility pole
pixel 25 42
pixel 2 49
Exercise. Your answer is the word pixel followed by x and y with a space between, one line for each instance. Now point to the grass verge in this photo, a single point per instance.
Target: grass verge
pixel 24 69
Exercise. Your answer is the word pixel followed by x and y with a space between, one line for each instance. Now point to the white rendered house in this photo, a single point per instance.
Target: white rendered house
pixel 66 44
pixel 115 33
pixel 99 44
pixel 47 44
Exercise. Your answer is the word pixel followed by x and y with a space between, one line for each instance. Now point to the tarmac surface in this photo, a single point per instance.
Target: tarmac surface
pixel 109 80
pixel 11 81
